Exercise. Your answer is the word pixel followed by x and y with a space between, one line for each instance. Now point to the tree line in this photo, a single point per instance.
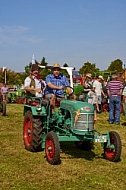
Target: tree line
pixel 14 78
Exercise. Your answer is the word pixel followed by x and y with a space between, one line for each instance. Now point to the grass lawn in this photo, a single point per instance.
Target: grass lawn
pixel 78 170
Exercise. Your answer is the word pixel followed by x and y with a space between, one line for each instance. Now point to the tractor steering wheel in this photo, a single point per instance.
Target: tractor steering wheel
pixel 68 90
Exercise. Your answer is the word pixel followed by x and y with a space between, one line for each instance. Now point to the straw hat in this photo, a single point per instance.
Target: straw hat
pixel 56 65
pixel 89 75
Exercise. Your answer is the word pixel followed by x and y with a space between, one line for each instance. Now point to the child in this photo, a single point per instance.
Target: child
pixel 92 98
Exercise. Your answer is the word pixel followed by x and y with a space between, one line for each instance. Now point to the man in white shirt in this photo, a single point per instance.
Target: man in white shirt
pixel 33 84
pixel 97 84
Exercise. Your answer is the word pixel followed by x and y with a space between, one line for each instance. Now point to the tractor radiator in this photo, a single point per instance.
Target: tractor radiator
pixel 85 122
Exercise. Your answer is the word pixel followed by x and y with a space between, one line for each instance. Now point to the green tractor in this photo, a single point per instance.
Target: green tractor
pixel 16 96
pixel 72 121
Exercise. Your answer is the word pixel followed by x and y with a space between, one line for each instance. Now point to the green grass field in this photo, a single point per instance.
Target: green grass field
pixel 78 170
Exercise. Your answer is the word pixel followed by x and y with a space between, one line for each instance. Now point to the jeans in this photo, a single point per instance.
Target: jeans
pixel 114 109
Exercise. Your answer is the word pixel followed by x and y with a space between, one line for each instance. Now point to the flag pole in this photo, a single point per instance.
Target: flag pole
pixel 5 74
pixel 5 77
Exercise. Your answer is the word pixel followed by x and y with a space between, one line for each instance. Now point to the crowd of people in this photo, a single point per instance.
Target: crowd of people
pixel 114 89
pixel 53 89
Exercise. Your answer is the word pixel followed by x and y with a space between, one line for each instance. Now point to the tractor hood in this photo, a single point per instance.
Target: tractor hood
pixel 73 105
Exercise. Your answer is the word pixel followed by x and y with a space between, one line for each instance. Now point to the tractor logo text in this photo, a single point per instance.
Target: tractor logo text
pixel 86 108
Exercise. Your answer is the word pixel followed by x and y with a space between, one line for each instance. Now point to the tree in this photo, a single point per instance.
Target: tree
pixel 116 65
pixel 63 71
pixel 44 72
pixel 89 68
pixel 12 78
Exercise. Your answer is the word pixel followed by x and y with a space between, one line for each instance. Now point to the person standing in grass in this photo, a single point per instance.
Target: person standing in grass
pixel 114 90
pixel 4 92
pixel 87 86
pixel 99 90
pixel 124 100
pixel 92 98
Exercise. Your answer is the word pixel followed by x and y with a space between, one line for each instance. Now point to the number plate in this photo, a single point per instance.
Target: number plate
pixel 100 139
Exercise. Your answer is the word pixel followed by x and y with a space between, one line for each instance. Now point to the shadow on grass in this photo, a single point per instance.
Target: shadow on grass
pixel 70 149
pixel 124 123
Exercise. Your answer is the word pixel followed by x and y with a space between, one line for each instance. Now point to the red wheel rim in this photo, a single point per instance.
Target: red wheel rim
pixel 27 132
pixel 18 101
pixel 24 100
pixel 108 151
pixel 105 107
pixel 49 149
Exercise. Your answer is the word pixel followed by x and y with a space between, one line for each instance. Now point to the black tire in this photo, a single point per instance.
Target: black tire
pixel 113 154
pixel 32 132
pixel 4 108
pixel 84 145
pixel 52 148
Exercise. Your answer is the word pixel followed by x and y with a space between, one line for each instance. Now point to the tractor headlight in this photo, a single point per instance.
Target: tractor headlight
pixel 38 108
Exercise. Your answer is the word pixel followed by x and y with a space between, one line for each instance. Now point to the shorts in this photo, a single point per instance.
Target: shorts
pixel 94 106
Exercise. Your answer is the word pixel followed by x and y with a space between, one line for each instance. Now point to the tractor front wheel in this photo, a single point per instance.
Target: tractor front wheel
pixel 113 154
pixel 32 132
pixel 52 148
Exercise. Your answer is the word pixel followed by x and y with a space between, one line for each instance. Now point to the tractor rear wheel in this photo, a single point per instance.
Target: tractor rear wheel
pixel 3 108
pixel 113 154
pixel 52 148
pixel 32 132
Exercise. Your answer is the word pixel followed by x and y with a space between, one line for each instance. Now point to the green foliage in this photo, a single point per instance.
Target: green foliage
pixel 78 90
pixel 64 72
pixel 44 72
pixel 88 68
pixel 14 78
pixel 116 65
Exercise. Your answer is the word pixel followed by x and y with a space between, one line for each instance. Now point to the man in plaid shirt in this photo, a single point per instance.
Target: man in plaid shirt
pixel 55 85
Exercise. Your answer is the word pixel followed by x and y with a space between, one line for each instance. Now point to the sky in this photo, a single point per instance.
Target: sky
pixel 63 31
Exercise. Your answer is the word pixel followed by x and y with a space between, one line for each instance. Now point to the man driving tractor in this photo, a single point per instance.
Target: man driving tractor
pixel 56 82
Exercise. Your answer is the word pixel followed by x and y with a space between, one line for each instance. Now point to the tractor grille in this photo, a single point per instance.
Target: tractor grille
pixel 85 122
